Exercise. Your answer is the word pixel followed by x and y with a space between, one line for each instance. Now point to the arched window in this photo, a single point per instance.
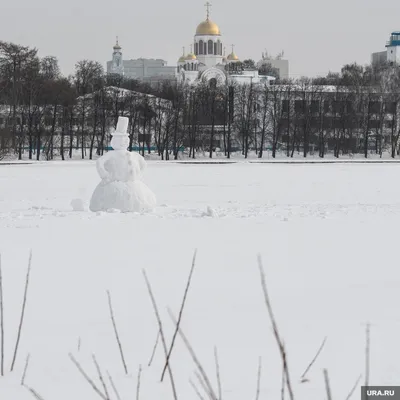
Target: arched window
pixel 220 49
pixel 212 83
pixel 210 47
pixel 205 48
pixel 215 49
pixel 196 49
pixel 201 47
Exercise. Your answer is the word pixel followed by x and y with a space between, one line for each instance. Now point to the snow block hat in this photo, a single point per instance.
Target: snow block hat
pixel 122 127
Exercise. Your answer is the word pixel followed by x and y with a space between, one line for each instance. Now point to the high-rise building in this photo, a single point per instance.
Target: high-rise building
pixel 392 53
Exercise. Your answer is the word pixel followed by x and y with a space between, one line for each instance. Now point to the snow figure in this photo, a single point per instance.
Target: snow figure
pixel 121 187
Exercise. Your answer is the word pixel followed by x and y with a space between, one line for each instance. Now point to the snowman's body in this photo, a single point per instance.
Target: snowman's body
pixel 121 187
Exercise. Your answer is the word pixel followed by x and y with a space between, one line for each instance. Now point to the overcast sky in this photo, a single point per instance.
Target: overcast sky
pixel 316 35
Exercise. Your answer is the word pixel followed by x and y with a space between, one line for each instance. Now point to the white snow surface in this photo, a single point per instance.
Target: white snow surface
pixel 328 236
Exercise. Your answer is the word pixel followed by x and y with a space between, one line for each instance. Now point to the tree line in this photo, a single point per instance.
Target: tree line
pixel 44 114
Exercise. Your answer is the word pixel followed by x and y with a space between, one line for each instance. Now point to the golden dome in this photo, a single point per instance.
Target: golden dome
pixel 208 27
pixel 181 59
pixel 233 57
pixel 190 57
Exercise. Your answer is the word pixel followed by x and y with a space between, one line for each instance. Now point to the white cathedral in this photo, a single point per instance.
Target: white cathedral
pixel 207 62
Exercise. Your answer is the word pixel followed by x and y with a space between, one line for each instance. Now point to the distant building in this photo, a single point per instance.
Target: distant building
pixel 143 69
pixel 379 58
pixel 392 53
pixel 278 63
pixel 205 61
pixel 208 61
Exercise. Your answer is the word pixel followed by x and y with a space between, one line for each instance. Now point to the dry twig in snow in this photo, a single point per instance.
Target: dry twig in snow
pixel 180 314
pixel 160 327
pixel 154 349
pixel 21 322
pixel 303 377
pixel 101 377
pixel 116 332
pixel 258 378
pixel 195 359
pixel 113 386
pixel 367 353
pixel 196 390
pixel 327 385
pixel 138 382
pixel 218 374
pixel 275 329
pixel 34 393
pixel 25 369
pixel 87 378
pixel 353 389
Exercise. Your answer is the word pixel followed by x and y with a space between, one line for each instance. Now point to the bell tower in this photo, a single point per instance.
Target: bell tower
pixel 117 65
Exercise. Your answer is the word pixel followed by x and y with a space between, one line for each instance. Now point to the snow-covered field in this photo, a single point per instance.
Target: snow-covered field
pixel 328 236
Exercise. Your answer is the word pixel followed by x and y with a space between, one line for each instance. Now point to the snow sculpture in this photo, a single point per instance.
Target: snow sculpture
pixel 121 187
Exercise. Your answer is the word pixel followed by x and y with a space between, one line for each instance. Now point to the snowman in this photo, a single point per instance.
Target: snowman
pixel 121 187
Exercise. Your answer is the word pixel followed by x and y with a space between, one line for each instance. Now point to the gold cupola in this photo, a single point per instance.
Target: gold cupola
pixel 208 27
pixel 191 56
pixel 233 56
pixel 182 58
pixel 117 46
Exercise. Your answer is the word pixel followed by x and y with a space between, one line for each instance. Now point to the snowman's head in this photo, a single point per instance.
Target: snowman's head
pixel 120 142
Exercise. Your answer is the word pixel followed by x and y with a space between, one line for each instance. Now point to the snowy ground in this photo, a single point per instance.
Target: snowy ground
pixel 328 235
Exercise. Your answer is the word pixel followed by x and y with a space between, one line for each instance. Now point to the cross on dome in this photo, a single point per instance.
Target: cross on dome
pixel 208 5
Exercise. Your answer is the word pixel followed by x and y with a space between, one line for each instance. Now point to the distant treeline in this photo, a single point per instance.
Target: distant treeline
pixel 46 115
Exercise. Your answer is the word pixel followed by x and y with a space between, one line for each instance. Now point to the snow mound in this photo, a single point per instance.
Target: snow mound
pixel 210 212
pixel 78 205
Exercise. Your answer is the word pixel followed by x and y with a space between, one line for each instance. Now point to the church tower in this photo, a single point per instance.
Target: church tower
pixel 117 65
pixel 207 42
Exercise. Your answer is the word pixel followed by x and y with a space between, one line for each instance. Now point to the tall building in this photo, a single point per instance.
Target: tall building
pixel 142 68
pixel 392 53
pixel 116 65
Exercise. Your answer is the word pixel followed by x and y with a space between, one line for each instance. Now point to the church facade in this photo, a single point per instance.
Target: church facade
pixel 206 61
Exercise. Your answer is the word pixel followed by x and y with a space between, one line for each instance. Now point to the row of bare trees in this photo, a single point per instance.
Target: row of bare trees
pixel 45 115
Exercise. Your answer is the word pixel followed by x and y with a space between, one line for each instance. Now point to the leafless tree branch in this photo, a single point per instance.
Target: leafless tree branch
pixel 87 378
pixel 195 359
pixel 154 349
pixel 101 377
pixel 116 332
pixel 258 378
pixel 275 328
pixel 138 382
pixel 160 327
pixel 180 314
pixel 303 377
pixel 327 385
pixel 218 373
pixel 196 390
pixel 21 322
pixel 354 388
pixel 25 369
pixel 113 386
